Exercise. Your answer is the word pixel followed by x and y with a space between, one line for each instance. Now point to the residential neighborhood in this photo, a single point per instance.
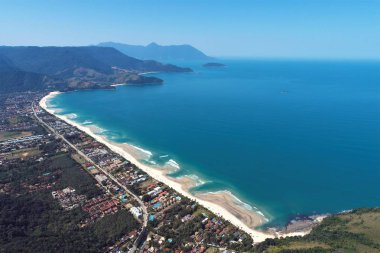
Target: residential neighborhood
pixel 168 221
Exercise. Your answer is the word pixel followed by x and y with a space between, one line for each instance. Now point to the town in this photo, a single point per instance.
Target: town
pixel 99 186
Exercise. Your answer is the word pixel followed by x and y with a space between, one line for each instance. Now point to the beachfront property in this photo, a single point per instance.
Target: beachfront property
pixel 164 205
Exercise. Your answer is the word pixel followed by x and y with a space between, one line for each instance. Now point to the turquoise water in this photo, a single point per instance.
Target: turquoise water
pixel 288 137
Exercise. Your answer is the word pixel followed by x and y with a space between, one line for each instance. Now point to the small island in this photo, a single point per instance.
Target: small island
pixel 213 65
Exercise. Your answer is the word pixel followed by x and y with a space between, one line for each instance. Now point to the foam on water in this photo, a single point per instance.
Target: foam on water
pixel 147 152
pixel 245 134
pixel 173 164
pixel 241 203
pixel 87 122
pixel 71 116
pixel 96 129
pixel 54 108
pixel 198 181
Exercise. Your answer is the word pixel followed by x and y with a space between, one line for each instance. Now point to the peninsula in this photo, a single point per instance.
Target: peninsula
pixel 72 68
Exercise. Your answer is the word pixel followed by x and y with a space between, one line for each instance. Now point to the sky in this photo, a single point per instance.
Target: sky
pixel 241 28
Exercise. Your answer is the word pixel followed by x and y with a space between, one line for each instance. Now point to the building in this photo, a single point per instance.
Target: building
pixel 101 178
pixel 136 211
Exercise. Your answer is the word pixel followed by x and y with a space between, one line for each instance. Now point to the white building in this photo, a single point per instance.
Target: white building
pixel 136 211
pixel 100 178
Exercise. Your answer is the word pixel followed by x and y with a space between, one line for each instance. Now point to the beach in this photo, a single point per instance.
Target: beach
pixel 234 206
pixel 222 203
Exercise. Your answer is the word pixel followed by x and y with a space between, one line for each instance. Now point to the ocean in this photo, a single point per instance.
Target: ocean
pixel 290 137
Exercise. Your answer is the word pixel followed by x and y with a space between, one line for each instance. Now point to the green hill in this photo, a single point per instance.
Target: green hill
pixel 36 68
pixel 351 232
pixel 53 60
pixel 13 79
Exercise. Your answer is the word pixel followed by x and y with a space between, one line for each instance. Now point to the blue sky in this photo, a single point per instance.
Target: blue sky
pixel 266 28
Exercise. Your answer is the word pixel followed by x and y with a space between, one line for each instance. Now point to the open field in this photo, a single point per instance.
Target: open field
pixel 78 158
pixel 23 153
pixel 7 135
pixel 367 223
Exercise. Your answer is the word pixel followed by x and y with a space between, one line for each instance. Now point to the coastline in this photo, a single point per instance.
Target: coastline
pixel 237 208
pixel 147 73
pixel 221 203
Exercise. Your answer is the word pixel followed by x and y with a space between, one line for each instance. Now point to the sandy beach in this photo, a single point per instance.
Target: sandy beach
pixel 232 205
pixel 222 203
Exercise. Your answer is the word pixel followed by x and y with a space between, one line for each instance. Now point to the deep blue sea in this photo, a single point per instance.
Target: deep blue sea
pixel 287 136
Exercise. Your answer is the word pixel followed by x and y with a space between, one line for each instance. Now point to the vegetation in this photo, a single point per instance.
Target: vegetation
pixel 114 226
pixel 13 79
pixel 23 153
pixel 6 135
pixel 66 68
pixel 179 231
pixel 34 221
pixel 30 170
pixel 356 231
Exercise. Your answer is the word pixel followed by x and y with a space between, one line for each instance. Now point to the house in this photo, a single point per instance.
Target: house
pixel 136 211
pixel 101 178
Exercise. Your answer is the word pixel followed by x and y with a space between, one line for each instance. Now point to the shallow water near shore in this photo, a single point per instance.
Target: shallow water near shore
pixel 285 137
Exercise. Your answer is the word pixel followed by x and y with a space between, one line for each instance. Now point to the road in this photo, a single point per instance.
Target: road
pixel 141 203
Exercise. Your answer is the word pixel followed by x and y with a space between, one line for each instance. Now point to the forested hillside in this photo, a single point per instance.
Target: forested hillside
pixel 355 231
pixel 38 68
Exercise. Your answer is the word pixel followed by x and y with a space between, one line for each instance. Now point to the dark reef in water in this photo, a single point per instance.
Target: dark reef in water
pixel 213 65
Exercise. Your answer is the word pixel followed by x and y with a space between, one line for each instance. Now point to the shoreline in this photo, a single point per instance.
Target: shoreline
pixel 221 203
pixel 147 73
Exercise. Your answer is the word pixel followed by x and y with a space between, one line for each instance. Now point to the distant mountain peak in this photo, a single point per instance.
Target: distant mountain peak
pixel 153 44
pixel 154 51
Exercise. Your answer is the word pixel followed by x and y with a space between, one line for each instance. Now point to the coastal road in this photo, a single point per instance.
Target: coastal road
pixel 141 203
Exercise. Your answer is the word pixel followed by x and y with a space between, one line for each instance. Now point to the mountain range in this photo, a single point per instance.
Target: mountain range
pixel 35 68
pixel 153 51
pixel 13 79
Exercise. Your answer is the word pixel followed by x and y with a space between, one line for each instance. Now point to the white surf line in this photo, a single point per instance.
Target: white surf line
pixel 159 175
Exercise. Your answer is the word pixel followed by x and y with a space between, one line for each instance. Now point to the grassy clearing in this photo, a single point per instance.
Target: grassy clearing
pixel 146 183
pixel 365 223
pixel 298 246
pixel 14 120
pixel 212 250
pixel 23 153
pixel 7 135
pixel 200 211
pixel 78 158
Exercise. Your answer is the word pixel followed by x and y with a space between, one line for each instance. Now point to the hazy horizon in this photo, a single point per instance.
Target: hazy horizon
pixel 231 57
pixel 250 29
